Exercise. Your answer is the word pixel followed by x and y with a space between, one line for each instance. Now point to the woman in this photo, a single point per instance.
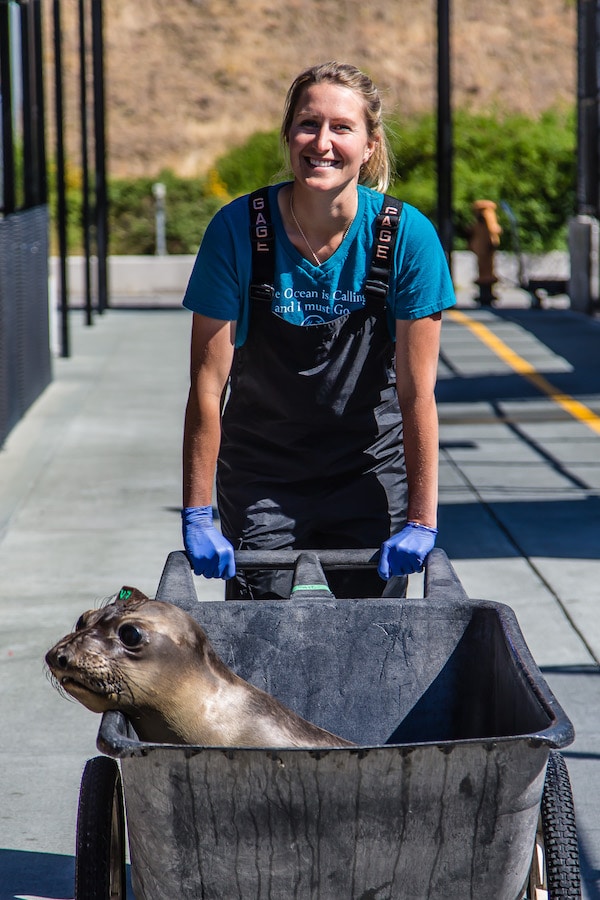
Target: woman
pixel 317 447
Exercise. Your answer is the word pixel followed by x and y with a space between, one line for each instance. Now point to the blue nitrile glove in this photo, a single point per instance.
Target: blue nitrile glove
pixel 405 552
pixel 209 552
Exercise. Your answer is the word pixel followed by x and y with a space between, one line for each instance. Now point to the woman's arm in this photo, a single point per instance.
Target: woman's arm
pixel 210 364
pixel 209 552
pixel 417 351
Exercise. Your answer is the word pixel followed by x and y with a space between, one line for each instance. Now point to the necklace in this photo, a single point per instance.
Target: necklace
pixel 305 239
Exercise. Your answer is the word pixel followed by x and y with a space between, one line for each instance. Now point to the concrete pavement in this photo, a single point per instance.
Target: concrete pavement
pixel 520 505
pixel 89 500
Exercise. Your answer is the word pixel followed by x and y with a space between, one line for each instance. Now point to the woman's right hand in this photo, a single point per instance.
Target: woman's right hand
pixel 405 552
pixel 209 553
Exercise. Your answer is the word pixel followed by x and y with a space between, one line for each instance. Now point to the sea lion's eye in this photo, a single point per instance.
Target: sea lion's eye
pixel 130 635
pixel 80 622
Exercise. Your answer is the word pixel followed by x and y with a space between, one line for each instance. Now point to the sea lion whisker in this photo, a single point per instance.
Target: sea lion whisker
pixel 55 682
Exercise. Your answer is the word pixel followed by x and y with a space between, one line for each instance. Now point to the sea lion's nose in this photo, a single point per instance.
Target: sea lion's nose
pixel 59 657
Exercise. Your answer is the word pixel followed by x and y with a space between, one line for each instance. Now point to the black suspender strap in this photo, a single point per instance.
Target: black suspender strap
pixel 262 239
pixel 386 232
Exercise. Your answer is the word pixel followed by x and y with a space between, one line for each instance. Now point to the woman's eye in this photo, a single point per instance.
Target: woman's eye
pixel 130 635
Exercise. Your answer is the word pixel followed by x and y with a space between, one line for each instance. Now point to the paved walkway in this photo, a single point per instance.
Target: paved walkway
pixel 519 401
pixel 89 500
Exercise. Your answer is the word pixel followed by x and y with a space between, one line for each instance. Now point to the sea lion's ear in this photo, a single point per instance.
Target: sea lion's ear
pixel 127 594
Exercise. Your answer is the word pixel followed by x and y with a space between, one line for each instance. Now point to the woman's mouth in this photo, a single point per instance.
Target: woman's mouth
pixel 321 163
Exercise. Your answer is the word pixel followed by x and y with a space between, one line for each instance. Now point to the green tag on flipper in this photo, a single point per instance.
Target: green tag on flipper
pixel 124 594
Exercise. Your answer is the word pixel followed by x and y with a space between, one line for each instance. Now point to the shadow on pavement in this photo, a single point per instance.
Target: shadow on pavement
pixel 28 874
pixel 498 529
pixel 570 336
pixel 43 876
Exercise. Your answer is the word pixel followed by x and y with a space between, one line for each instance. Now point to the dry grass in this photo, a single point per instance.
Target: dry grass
pixel 185 79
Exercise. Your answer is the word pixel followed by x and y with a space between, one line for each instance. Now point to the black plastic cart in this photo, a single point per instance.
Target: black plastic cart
pixel 455 788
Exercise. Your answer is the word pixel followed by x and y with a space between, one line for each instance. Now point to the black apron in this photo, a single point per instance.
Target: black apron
pixel 311 451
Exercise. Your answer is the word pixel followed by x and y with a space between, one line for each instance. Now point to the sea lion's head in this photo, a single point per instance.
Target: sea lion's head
pixel 130 655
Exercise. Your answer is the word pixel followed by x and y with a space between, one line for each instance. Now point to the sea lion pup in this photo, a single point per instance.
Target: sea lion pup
pixel 153 662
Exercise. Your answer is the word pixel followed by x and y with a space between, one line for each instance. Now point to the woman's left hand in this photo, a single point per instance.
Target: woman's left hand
pixel 405 552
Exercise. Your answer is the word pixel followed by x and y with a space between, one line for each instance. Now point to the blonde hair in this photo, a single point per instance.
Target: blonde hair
pixel 376 172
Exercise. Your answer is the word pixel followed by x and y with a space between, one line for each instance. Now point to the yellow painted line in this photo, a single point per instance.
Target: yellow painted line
pixel 573 407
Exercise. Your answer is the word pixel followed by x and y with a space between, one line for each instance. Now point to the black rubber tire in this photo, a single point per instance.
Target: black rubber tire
pixel 560 832
pixel 100 849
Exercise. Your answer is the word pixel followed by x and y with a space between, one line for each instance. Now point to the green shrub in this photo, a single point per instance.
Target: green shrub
pixel 259 161
pixel 74 204
pixel 530 164
pixel 189 205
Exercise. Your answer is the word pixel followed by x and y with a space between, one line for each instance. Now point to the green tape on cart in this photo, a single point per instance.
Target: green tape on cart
pixel 311 587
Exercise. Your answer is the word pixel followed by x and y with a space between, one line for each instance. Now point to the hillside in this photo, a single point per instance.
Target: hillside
pixel 185 79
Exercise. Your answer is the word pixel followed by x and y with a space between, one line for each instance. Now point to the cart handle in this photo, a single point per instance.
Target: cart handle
pixel 441 581
pixel 287 559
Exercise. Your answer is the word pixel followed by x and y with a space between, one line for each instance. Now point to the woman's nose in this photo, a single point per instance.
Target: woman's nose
pixel 322 139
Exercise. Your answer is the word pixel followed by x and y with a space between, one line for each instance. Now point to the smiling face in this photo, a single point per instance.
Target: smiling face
pixel 328 138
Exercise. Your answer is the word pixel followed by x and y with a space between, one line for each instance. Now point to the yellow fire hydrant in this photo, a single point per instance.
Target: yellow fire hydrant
pixel 484 239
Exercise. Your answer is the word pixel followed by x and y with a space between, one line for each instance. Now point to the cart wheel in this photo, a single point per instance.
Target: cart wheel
pixel 554 873
pixel 100 863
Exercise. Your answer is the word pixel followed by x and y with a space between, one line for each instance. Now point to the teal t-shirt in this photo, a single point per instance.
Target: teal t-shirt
pixel 306 294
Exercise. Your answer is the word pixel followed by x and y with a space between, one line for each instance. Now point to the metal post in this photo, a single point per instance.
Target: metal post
pixel 30 108
pixel 587 108
pixel 584 286
pixel 100 158
pixel 8 195
pixel 160 192
pixel 596 52
pixel 34 156
pixel 60 185
pixel 85 213
pixel 41 176
pixel 444 135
